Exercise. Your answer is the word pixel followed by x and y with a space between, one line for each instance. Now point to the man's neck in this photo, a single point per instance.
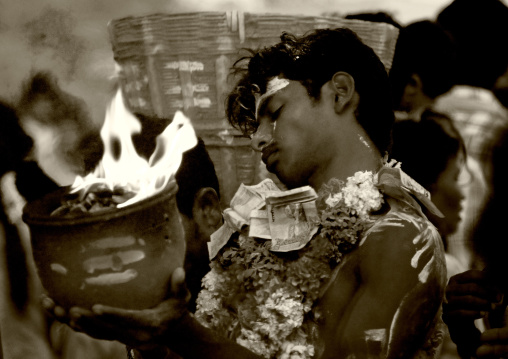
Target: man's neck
pixel 362 155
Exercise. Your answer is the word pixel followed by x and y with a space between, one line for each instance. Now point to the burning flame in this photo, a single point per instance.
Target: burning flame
pixel 128 170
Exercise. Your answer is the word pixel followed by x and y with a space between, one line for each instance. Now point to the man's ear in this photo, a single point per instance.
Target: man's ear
pixel 344 89
pixel 414 85
pixel 413 95
pixel 206 211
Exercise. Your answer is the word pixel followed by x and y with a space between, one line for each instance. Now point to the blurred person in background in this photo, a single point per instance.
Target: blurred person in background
pixel 480 31
pixel 476 300
pixel 423 66
pixel 66 139
pixel 433 153
pixel 21 323
pixel 422 69
pixel 26 330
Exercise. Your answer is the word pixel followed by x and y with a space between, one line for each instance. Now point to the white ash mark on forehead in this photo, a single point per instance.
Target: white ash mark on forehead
pixel 274 85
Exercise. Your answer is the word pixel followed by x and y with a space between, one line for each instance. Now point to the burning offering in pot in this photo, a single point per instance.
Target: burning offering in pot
pixel 114 237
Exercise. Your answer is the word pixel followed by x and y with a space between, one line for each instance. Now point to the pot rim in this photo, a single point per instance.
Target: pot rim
pixel 38 211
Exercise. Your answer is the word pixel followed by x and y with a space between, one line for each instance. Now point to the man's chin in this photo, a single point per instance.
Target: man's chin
pixel 271 167
pixel 289 181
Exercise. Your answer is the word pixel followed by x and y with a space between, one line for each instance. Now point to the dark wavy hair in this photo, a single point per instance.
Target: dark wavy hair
pixel 426 49
pixel 479 29
pixel 312 60
pixel 425 147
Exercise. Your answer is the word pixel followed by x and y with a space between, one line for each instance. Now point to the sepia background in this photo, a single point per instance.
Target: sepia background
pixel 70 38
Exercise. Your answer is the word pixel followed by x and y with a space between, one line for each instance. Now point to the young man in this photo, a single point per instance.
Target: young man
pixel 319 110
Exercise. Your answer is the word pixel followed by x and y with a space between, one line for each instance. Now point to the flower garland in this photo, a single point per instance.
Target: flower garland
pixel 264 299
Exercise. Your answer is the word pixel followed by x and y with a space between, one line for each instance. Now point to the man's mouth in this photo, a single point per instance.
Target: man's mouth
pixel 267 155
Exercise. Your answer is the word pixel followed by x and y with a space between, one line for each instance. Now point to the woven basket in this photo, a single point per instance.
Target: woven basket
pixel 172 62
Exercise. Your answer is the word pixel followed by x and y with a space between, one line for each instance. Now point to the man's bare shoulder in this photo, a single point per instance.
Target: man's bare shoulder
pixel 402 241
pixel 399 225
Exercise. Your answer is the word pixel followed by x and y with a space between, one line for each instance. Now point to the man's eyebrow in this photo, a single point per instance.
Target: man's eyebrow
pixel 264 104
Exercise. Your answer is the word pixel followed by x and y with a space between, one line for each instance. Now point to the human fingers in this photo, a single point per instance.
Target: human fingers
pixel 178 287
pixel 168 309
pixel 494 343
pixel 472 296
pixel 87 322
pixel 471 275
pixel 462 315
pixel 141 329
pixel 47 303
pixel 483 279
pixel 492 351
pixel 132 326
pixel 495 335
pixel 84 321
pixel 75 313
pixel 154 319
pixel 481 289
pixel 467 303
pixel 54 310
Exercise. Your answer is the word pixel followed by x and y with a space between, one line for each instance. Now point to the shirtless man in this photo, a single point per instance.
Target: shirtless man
pixel 318 108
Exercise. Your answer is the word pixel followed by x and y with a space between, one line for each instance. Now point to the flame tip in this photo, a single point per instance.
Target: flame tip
pixel 129 171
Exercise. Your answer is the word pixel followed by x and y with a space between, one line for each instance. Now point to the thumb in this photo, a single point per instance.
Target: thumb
pixel 178 287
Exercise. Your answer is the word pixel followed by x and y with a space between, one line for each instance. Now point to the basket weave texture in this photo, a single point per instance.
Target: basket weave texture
pixel 180 61
pixel 173 62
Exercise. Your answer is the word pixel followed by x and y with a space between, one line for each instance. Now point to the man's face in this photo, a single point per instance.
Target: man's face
pixel 295 134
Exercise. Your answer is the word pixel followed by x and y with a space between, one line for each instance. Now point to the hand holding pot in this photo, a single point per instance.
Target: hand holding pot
pixel 142 329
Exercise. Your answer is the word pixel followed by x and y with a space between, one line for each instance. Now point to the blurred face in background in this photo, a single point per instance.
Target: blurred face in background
pixel 447 194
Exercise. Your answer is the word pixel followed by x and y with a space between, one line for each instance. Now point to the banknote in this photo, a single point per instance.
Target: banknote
pixel 292 218
pixel 287 218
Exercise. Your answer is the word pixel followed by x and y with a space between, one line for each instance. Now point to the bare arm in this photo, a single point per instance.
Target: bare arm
pixel 191 340
pixel 167 325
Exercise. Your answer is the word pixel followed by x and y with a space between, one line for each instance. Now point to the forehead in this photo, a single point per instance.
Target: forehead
pixel 276 87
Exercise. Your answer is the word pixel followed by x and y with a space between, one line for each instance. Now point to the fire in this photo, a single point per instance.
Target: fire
pixel 122 167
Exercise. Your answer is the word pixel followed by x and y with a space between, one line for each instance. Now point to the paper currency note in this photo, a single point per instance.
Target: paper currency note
pixel 259 226
pixel 290 228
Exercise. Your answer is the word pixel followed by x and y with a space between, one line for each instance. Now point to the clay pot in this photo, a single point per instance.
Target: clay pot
pixel 122 257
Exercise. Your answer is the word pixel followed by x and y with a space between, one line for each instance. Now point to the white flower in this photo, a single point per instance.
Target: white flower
pixel 333 200
pixel 208 302
pixel 360 177
pixel 361 194
pixel 210 281
pixel 253 341
pixel 296 351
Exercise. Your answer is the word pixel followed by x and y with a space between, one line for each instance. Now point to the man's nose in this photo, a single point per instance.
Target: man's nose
pixel 263 136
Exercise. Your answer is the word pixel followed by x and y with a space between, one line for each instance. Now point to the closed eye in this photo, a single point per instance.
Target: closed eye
pixel 275 114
